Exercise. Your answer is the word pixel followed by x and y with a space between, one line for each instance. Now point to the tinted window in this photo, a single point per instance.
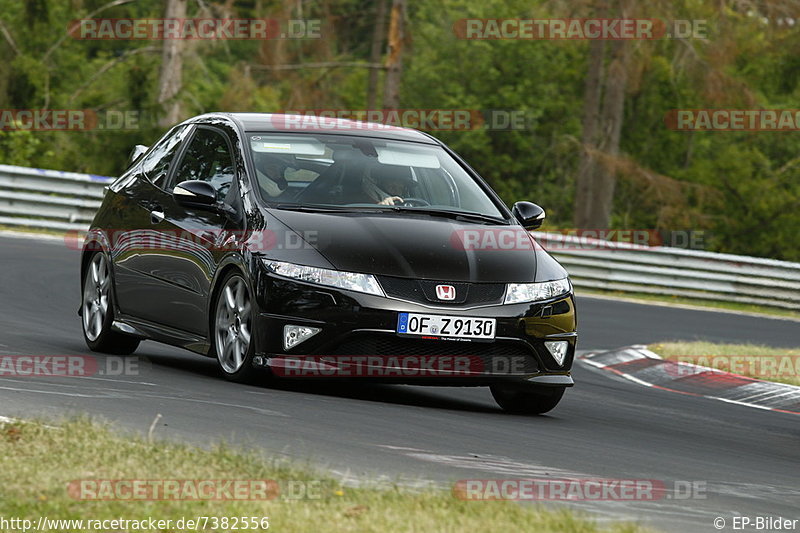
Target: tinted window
pixel 207 158
pixel 156 164
pixel 357 171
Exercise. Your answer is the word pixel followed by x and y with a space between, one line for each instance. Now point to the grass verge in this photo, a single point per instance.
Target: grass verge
pixel 39 462
pixel 32 230
pixel 781 365
pixel 692 302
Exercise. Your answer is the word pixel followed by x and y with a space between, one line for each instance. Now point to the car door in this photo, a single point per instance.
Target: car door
pixel 192 238
pixel 139 226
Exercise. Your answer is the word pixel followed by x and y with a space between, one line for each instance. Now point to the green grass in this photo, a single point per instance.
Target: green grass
pixel 694 302
pixel 781 365
pixel 41 231
pixel 38 462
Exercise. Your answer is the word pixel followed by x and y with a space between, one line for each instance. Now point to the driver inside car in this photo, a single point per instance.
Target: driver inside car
pixel 389 184
pixel 271 170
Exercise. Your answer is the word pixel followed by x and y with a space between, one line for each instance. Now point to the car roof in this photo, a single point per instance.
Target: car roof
pixel 287 123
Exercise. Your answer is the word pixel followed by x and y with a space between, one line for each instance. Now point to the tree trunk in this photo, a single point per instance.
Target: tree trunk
pixel 603 112
pixel 394 64
pixel 378 36
pixel 170 78
pixel 605 176
pixel 591 118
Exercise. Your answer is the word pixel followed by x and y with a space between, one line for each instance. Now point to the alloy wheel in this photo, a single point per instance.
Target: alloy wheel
pixel 232 325
pixel 95 296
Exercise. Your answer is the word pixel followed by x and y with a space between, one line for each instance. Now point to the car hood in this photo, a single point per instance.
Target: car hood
pixel 416 246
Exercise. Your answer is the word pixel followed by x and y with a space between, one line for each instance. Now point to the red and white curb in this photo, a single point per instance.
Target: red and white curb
pixel 640 365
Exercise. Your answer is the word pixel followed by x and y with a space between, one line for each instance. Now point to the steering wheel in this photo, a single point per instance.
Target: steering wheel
pixel 415 202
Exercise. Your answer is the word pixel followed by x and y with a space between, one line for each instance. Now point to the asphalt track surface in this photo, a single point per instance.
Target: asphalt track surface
pixel 747 459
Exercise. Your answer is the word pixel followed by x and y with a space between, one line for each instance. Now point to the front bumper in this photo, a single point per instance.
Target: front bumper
pixel 357 338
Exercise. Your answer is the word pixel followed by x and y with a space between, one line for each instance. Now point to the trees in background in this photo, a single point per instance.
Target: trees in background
pixel 170 78
pixel 394 59
pixel 376 51
pixel 594 149
pixel 603 116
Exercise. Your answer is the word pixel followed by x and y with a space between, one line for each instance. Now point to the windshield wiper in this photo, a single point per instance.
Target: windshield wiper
pixel 455 215
pixel 326 208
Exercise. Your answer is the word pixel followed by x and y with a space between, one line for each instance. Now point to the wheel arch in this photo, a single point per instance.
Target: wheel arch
pixel 95 243
pixel 232 263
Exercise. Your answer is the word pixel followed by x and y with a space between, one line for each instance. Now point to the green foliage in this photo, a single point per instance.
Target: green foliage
pixel 19 148
pixel 741 188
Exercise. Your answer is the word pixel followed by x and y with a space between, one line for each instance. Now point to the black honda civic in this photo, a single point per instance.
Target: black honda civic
pixel 285 248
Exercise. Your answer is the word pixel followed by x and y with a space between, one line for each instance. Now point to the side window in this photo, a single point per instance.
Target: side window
pixel 156 164
pixel 207 158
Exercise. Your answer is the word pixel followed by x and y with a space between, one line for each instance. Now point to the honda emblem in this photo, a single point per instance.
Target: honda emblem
pixel 445 292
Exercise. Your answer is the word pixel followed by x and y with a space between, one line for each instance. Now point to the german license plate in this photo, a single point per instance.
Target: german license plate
pixel 458 327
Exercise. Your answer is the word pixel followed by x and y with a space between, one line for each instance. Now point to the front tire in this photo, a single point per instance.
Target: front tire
pixel 97 311
pixel 232 329
pixel 527 400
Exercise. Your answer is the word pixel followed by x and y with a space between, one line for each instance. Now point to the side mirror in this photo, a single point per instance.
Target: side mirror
pixel 528 214
pixel 195 193
pixel 137 152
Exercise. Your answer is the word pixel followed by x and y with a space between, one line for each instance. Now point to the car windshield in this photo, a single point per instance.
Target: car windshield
pixel 336 172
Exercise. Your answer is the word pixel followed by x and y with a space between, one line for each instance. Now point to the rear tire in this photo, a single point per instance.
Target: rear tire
pixel 232 329
pixel 97 311
pixel 527 400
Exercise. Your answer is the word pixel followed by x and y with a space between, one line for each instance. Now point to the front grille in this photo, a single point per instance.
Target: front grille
pixel 424 291
pixel 490 355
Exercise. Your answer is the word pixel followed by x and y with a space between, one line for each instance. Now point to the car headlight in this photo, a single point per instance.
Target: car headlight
pixel 350 281
pixel 532 292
